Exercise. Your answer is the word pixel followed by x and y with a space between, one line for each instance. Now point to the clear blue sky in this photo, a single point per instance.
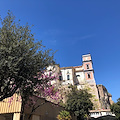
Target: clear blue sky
pixel 76 27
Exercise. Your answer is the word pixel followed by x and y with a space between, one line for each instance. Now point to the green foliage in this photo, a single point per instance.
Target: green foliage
pixel 115 108
pixel 20 58
pixel 79 102
pixel 64 115
pixel 61 103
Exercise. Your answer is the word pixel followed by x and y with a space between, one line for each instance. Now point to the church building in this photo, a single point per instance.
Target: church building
pixel 83 77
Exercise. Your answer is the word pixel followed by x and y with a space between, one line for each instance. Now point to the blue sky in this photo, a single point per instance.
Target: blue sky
pixel 74 28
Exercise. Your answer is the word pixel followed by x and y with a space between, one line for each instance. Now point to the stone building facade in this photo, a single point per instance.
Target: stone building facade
pixel 105 98
pixel 83 76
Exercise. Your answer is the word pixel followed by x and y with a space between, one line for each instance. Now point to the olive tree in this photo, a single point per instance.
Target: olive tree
pixel 21 60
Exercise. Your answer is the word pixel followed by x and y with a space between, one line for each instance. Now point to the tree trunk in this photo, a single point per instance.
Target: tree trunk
pixel 34 108
pixel 22 110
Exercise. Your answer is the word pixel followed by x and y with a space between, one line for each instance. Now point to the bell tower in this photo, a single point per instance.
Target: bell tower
pixel 89 78
pixel 88 68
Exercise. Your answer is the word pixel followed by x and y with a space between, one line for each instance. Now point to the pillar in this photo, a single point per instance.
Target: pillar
pixel 16 116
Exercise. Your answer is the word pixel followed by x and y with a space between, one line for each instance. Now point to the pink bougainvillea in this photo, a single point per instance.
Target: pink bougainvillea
pixel 43 89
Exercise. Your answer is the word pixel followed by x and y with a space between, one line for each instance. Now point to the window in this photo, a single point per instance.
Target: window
pixel 88 75
pixel 87 66
pixel 77 75
pixel 60 77
pixel 67 72
pixel 68 77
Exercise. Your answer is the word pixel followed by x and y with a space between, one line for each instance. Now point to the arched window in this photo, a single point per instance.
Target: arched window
pixel 60 77
pixel 88 75
pixel 87 66
pixel 68 77
pixel 67 72
pixel 77 75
